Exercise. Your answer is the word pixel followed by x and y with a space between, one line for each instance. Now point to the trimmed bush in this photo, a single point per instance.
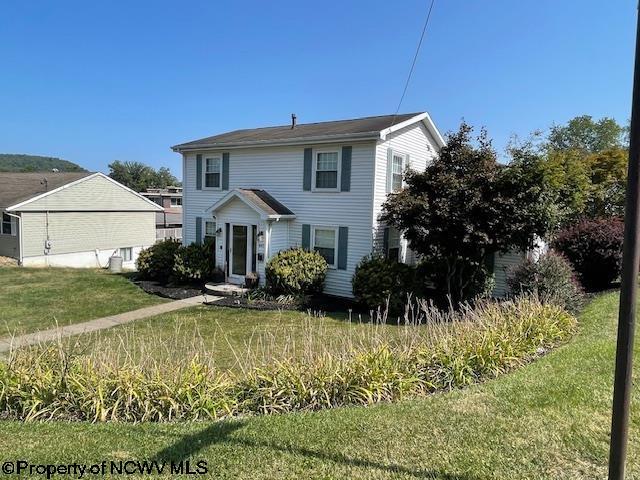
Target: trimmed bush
pixel 551 278
pixel 594 248
pixel 296 271
pixel 378 280
pixel 157 261
pixel 194 263
pixel 478 344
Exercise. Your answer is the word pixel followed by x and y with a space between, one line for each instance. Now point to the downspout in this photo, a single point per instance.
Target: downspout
pixel 20 247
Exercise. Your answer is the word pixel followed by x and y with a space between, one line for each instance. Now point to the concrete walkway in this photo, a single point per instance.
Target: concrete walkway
pixel 9 343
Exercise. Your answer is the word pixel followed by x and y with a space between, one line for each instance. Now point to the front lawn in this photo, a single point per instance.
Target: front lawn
pixel 229 338
pixel 34 299
pixel 549 419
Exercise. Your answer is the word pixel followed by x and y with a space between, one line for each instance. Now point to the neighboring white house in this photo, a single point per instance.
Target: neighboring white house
pixel 320 186
pixel 73 219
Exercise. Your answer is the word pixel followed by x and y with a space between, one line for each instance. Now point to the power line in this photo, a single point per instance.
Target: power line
pixel 413 63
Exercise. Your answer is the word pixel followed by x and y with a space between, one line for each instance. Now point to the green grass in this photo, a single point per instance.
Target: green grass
pixel 549 419
pixel 35 299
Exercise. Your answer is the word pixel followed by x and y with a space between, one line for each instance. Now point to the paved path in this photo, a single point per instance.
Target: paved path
pixel 8 343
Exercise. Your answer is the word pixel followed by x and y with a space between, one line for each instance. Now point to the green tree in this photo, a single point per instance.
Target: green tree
pixel 584 134
pixel 139 177
pixel 608 176
pixel 465 207
pixel 585 164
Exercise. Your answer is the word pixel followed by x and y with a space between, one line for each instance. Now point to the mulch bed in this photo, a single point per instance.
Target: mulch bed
pixel 175 292
pixel 242 302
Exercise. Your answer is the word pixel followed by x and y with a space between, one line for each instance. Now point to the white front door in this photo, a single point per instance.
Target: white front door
pixel 239 253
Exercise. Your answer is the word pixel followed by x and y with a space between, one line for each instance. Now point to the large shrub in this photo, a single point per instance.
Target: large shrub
pixel 594 248
pixel 194 263
pixel 435 279
pixel 477 344
pixel 296 271
pixel 378 280
pixel 157 261
pixel 551 278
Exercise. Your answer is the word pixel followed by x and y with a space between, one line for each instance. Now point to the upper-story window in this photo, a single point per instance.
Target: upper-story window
pixel 176 201
pixel 397 168
pixel 212 172
pixel 326 167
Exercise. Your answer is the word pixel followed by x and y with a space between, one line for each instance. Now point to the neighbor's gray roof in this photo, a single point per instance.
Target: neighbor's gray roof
pixel 358 127
pixel 265 201
pixel 18 187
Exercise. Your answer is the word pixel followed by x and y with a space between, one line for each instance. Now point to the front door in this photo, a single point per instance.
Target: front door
pixel 239 253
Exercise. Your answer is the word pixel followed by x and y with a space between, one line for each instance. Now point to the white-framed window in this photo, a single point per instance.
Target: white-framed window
pixel 397 168
pixel 393 247
pixel 325 241
pixel 176 201
pixel 8 225
pixel 209 229
pixel 126 253
pixel 212 172
pixel 326 170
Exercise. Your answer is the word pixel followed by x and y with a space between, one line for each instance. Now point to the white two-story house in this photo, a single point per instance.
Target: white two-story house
pixel 320 186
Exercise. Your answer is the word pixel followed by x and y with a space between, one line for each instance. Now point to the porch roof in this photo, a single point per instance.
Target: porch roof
pixel 259 200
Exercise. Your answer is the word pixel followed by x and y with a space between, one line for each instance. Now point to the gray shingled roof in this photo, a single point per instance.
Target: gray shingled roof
pixel 358 127
pixel 18 187
pixel 265 201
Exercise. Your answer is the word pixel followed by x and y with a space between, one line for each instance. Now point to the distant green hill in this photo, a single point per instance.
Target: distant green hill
pixel 10 162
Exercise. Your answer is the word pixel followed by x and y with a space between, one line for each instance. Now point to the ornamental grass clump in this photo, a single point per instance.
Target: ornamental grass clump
pixel 432 351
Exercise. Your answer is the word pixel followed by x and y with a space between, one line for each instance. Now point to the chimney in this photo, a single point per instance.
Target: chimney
pixel 293 121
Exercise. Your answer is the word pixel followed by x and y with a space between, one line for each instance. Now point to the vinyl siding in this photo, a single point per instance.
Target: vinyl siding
pixel 279 171
pixel 96 193
pixel 503 264
pixel 414 140
pixel 71 232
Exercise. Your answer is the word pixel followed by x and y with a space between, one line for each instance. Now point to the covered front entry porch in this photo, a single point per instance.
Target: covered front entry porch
pixel 244 218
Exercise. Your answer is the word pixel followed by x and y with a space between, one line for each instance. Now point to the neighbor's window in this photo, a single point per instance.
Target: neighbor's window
pixel 209 229
pixel 324 242
pixel 6 228
pixel 393 249
pixel 396 172
pixel 176 201
pixel 126 254
pixel 327 170
pixel 213 169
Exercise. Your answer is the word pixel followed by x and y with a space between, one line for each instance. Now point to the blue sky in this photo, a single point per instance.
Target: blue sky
pixel 93 82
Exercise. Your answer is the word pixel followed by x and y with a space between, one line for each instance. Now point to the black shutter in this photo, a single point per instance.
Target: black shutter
pixel 306 180
pixel 198 172
pixel 345 174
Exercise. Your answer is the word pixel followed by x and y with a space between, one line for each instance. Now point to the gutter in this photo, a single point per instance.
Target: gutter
pixel 278 143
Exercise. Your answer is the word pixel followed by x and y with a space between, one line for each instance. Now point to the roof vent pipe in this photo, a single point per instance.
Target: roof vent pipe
pixel 293 121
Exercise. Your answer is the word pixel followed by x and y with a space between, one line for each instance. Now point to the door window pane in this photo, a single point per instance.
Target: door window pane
pixel 239 260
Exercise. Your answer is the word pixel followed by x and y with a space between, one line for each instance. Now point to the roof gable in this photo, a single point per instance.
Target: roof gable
pixel 93 192
pixel 258 200
pixel 359 128
pixel 17 187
